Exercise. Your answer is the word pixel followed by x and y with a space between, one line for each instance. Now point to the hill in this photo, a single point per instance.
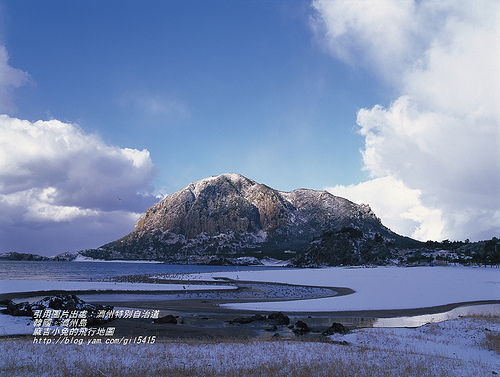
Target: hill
pixel 221 218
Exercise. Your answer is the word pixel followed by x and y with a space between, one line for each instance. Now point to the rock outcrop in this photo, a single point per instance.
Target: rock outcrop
pixel 336 328
pixel 61 303
pixel 231 216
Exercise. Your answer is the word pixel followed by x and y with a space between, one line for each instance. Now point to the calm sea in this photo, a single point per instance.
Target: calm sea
pixel 86 271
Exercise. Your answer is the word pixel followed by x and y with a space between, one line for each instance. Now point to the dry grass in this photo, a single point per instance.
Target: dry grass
pixel 491 339
pixel 491 318
pixel 371 352
pixel 492 342
pixel 251 358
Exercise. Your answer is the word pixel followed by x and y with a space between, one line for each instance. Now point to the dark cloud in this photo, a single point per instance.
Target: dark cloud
pixel 62 189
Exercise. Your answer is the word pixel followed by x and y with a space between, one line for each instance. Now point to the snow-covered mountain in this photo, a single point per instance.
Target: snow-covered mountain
pixel 232 216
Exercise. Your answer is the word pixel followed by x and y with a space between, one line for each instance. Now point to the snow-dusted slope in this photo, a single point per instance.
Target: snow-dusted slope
pixel 231 214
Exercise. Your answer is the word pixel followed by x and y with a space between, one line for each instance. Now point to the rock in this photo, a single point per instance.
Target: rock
pixel 336 328
pixel 241 320
pixel 258 317
pixel 21 309
pixel 300 328
pixel 5 302
pixel 244 320
pixel 232 213
pixel 61 302
pixel 167 319
pixel 279 318
pixel 272 328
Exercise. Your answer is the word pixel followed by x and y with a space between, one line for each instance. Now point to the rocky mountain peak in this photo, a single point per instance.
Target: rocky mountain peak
pixel 232 214
pixel 224 181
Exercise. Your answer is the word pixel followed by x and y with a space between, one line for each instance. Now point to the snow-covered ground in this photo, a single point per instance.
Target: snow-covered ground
pixel 466 346
pixel 377 288
pixel 381 288
pixel 458 348
pixel 469 340
pixel 10 325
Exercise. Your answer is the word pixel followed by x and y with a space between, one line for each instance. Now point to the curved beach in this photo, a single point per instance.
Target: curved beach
pixel 204 304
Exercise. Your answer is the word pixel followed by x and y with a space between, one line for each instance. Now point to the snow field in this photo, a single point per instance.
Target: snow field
pixel 453 348
pixel 378 288
pixel 461 347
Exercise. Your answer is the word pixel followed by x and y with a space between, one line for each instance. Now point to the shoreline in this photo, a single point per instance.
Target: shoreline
pixel 206 318
pixel 205 321
pixel 356 298
pixel 215 304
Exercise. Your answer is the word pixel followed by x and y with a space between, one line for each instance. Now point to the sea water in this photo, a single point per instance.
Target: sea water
pixel 92 271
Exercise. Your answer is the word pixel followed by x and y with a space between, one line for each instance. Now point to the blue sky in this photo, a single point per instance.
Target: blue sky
pixel 206 87
pixel 133 100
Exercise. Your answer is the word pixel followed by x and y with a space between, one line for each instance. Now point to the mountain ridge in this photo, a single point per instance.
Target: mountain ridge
pixel 230 215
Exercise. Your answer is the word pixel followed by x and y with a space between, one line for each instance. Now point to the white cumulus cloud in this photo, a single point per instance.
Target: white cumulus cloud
pixel 404 212
pixel 439 139
pixel 56 180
